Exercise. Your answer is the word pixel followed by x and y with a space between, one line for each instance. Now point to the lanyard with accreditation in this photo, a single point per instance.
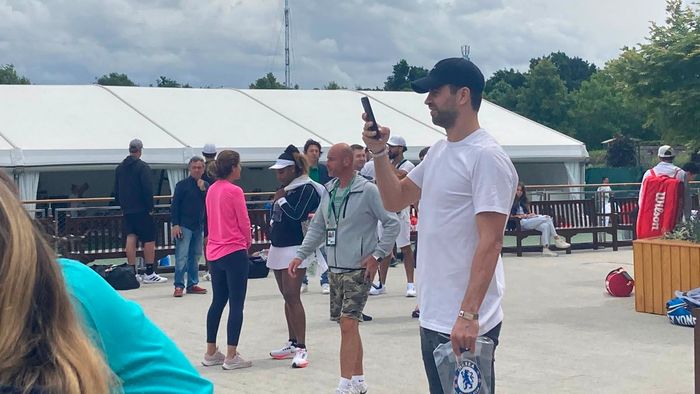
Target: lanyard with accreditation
pixel 331 231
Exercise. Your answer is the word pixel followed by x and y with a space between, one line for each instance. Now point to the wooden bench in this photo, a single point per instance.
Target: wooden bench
pixel 100 237
pixel 625 210
pixel 570 218
pixel 260 225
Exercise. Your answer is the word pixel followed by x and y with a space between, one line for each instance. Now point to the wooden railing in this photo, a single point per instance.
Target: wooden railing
pixel 87 238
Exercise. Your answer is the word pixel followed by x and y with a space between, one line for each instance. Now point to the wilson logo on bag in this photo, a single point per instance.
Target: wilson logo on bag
pixel 659 205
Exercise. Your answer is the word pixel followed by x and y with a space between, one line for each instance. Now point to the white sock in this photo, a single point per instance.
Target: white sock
pixel 411 286
pixel 358 378
pixel 344 383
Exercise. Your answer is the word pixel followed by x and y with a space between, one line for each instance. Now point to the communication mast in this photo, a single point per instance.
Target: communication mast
pixel 287 71
pixel 465 51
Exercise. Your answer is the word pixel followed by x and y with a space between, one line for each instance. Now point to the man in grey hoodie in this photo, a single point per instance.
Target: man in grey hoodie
pixel 346 221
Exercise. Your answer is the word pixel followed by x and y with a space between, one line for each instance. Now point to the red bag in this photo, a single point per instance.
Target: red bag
pixel 619 283
pixel 659 205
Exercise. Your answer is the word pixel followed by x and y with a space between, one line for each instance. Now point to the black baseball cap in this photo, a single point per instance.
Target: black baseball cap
pixel 455 71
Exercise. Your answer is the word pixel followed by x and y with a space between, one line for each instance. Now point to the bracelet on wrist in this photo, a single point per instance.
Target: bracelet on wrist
pixel 381 153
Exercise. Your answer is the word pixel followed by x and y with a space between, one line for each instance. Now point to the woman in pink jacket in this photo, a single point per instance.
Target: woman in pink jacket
pixel 227 252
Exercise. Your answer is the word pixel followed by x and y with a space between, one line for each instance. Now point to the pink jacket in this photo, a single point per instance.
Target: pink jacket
pixel 227 220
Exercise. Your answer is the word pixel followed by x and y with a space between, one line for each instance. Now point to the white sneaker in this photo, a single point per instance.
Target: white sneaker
pixel 304 287
pixel 139 277
pixel 349 390
pixel 360 387
pixel 215 359
pixel 548 252
pixel 300 360
pixel 377 289
pixel 236 363
pixel 287 351
pixel 560 243
pixel 206 277
pixel 410 290
pixel 325 288
pixel 154 278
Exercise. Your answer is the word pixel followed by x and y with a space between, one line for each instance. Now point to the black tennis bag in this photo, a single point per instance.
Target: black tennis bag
pixel 257 267
pixel 120 277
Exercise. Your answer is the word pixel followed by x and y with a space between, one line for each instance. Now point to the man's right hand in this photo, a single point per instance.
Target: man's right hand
pixel 279 194
pixel 293 265
pixel 368 136
pixel 176 232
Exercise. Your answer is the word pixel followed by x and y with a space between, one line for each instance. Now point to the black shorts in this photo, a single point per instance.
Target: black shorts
pixel 141 225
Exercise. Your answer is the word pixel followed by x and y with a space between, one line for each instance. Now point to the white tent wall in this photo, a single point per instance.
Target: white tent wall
pixel 28 183
pixel 175 175
pixel 84 126
pixel 56 182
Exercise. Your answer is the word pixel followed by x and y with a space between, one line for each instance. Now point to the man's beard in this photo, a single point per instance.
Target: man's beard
pixel 445 118
pixel 393 155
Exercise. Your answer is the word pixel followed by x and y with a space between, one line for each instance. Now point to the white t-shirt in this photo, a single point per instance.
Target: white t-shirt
pixel 669 169
pixel 405 214
pixel 604 195
pixel 459 180
pixel 368 170
pixel 663 168
pixel 406 166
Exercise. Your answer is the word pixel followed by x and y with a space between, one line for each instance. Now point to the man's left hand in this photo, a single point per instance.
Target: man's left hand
pixel 371 265
pixel 200 184
pixel 464 335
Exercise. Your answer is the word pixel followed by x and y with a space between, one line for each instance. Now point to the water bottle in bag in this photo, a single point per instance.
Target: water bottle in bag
pixel 468 374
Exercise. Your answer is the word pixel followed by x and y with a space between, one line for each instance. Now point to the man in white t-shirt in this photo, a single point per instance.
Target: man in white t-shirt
pixel 666 167
pixel 367 170
pixel 396 147
pixel 466 186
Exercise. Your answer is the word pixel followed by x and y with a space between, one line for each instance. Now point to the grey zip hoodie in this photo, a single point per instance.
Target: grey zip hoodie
pixel 356 230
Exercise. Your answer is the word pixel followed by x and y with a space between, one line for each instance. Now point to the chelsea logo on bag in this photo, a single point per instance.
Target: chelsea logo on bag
pixel 467 378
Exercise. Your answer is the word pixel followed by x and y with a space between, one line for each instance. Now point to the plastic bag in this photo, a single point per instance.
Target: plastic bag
pixel 472 374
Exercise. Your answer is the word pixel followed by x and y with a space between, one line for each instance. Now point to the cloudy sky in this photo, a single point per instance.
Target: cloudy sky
pixel 354 42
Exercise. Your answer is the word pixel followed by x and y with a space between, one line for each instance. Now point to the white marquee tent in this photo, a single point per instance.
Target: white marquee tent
pixel 43 128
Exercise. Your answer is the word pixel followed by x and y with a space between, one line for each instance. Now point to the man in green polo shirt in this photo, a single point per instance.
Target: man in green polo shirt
pixel 319 173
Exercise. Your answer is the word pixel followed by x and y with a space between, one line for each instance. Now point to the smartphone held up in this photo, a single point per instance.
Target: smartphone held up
pixel 370 116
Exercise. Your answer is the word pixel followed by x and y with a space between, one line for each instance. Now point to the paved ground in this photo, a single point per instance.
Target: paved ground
pixel 562 334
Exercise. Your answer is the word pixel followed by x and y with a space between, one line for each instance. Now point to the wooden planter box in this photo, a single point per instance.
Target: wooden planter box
pixel 660 268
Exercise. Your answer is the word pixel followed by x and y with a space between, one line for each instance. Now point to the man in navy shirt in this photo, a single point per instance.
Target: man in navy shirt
pixel 187 212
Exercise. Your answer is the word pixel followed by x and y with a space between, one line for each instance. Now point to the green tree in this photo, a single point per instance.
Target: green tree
pixel 165 82
pixel 8 76
pixel 621 152
pixel 115 79
pixel 544 98
pixel 332 85
pixel 601 109
pixel 402 75
pixel 511 77
pixel 268 82
pixel 504 94
pixel 664 74
pixel 502 88
pixel 572 70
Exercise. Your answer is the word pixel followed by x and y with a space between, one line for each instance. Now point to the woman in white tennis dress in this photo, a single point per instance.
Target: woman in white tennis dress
pixel 298 197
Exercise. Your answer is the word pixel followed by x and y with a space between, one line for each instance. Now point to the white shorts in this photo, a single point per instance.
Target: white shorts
pixel 404 238
pixel 279 258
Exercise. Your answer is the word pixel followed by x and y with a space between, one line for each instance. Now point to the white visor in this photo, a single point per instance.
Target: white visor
pixel 281 163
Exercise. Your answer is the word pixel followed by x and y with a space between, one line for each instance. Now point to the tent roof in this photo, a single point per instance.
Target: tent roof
pixel 91 124
pixel 522 138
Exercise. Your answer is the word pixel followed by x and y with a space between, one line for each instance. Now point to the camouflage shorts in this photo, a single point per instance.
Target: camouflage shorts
pixel 349 291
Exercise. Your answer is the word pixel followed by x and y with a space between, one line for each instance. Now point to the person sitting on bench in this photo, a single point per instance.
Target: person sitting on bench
pixel 531 221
